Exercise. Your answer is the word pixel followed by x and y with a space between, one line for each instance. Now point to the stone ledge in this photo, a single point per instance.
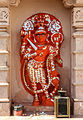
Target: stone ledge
pixel 4 68
pixel 4 84
pixel 4 52
pixel 4 100
pixel 4 26
pixel 77 100
pixel 77 84
pixel 78 25
pixel 78 68
pixel 4 34
pixel 77 52
pixel 78 34
pixel 3 29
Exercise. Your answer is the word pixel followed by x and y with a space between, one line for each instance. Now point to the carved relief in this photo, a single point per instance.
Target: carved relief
pixel 78 16
pixel 68 3
pixel 4 16
pixel 79 2
pixel 15 2
pixel 4 2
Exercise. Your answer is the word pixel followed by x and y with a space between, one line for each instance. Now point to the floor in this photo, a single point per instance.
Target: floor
pixel 41 117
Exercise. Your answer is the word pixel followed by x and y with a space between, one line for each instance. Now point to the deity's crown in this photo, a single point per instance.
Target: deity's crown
pixel 40 23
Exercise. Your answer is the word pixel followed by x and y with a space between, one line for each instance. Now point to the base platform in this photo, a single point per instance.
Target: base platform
pixel 29 109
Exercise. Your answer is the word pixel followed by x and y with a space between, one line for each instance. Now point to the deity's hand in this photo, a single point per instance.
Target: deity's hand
pixel 28 35
pixel 56 52
pixel 38 51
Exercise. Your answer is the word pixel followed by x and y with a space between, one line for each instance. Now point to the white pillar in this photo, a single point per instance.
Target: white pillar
pixel 4 60
pixel 77 57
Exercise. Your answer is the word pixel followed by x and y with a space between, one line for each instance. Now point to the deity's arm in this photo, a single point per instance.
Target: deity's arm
pixel 52 72
pixel 29 55
pixel 53 51
pixel 23 45
pixel 26 49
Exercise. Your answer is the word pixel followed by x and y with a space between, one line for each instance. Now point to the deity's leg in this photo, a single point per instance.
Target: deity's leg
pixel 41 76
pixel 31 73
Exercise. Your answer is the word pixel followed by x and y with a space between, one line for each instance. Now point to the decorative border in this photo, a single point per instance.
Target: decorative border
pixel 67 3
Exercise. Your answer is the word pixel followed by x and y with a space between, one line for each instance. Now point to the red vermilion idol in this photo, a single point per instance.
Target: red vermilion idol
pixel 41 39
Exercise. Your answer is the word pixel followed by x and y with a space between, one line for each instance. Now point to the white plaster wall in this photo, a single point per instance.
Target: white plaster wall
pixel 18 16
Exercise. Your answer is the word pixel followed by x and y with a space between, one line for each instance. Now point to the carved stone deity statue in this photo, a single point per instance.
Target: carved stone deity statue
pixel 41 39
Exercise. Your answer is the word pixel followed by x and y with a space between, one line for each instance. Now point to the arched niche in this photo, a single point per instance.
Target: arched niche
pixel 18 16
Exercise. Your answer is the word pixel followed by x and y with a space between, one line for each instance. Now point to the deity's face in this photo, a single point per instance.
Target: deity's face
pixel 40 37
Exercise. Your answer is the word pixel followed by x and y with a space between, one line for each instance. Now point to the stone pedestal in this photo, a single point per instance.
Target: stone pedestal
pixel 29 109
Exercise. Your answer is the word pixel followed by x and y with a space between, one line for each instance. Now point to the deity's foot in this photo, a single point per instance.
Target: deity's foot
pixel 49 102
pixel 43 98
pixel 36 103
